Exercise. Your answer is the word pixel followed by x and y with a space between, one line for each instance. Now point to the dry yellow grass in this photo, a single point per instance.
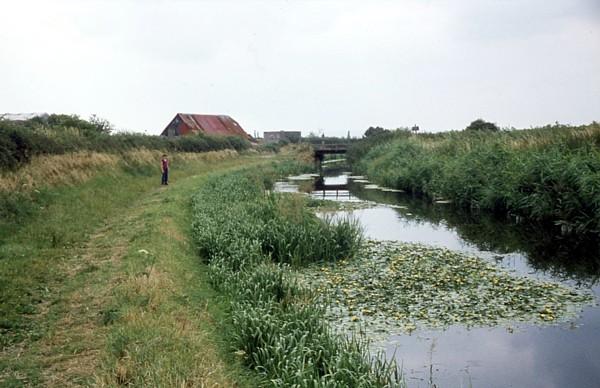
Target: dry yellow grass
pixel 56 169
pixel 74 168
pixel 300 151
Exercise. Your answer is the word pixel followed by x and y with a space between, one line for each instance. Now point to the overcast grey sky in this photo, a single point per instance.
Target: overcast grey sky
pixel 305 65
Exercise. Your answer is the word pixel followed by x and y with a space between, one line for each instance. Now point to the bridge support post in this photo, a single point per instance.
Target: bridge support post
pixel 319 157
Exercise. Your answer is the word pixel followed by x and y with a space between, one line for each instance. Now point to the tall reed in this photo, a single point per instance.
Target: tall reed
pixel 548 175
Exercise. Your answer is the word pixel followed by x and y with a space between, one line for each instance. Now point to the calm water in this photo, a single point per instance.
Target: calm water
pixel 566 355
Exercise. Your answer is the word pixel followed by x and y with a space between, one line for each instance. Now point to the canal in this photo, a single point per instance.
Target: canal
pixel 513 354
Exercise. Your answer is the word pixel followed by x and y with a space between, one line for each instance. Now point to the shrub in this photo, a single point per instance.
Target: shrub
pixel 482 125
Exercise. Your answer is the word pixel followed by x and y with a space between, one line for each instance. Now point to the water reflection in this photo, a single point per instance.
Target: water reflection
pixel 518 356
pixel 332 188
pixel 442 225
pixel 527 357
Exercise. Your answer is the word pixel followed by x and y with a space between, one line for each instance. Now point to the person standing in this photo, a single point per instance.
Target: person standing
pixel 164 167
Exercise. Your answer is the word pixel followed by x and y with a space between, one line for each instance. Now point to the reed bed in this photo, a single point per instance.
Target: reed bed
pixel 251 239
pixel 548 175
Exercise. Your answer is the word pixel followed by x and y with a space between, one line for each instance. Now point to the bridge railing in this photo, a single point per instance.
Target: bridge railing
pixel 330 147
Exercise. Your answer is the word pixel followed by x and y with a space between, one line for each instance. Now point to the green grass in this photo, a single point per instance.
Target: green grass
pixel 250 238
pixel 152 339
pixel 83 303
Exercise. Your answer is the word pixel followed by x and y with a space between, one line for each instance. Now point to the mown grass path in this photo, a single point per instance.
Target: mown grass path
pixel 124 303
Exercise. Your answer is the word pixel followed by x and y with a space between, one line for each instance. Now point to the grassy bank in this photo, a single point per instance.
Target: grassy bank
pixel 250 239
pixel 100 284
pixel 27 192
pixel 548 175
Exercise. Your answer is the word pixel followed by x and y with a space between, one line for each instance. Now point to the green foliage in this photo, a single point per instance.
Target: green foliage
pixel 482 125
pixel 270 147
pixel 61 120
pixel 59 134
pixel 548 175
pixel 360 148
pixel 101 125
pixel 249 239
pixel 275 147
pixel 375 131
pixel 240 213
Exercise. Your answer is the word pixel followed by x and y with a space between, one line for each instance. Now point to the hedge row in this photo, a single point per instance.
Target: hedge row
pixel 59 134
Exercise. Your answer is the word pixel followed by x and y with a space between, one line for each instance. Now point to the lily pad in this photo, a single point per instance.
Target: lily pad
pixel 397 287
pixel 327 206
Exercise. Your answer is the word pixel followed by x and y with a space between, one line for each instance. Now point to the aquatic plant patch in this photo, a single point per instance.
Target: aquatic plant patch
pixel 325 206
pixel 402 287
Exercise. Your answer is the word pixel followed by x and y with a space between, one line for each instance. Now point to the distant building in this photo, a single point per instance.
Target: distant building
pixel 188 124
pixel 23 116
pixel 277 136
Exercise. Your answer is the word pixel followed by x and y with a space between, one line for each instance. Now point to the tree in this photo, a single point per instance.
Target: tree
pixel 101 125
pixel 375 131
pixel 482 125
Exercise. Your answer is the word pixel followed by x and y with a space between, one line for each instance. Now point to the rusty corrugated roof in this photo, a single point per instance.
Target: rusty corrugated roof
pixel 210 124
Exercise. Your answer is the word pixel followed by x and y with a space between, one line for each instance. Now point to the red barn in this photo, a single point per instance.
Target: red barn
pixel 186 124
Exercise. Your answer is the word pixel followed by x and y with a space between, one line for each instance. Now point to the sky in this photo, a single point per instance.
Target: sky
pixel 328 67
